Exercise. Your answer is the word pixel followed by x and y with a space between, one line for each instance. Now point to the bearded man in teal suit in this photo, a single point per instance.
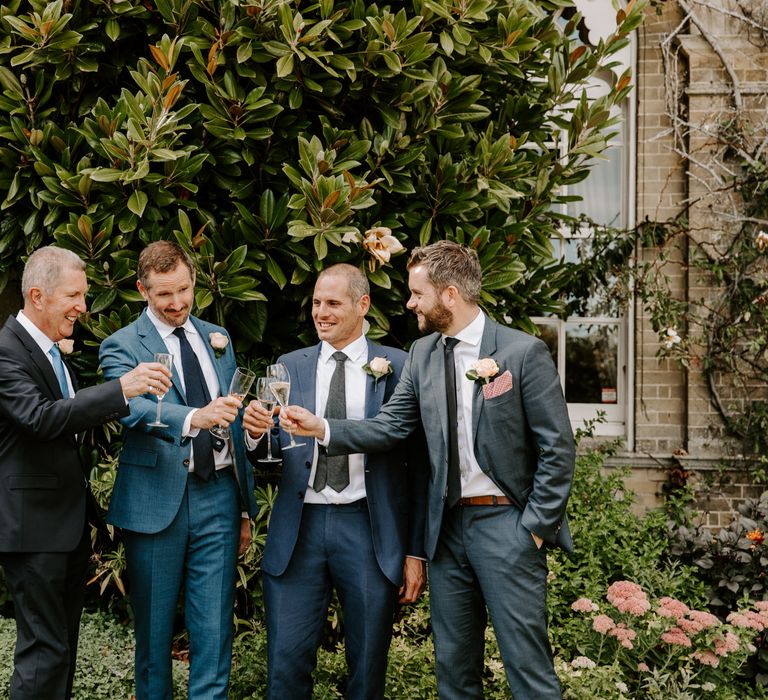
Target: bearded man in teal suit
pixel 502 457
pixel 181 496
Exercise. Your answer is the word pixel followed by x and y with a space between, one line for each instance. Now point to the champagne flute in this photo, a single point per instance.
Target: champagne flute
pixel 280 386
pixel 166 360
pixel 238 388
pixel 266 398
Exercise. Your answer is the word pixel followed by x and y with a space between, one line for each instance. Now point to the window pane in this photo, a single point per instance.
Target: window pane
pixel 549 336
pixel 591 363
pixel 601 192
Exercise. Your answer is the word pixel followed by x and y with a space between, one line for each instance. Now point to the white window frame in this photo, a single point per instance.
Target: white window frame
pixel 619 416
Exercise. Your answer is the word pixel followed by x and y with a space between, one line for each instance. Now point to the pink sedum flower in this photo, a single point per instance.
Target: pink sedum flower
pixel 705 619
pixel 584 605
pixel 707 658
pixel 670 607
pixel 727 645
pixel 602 624
pixel 676 637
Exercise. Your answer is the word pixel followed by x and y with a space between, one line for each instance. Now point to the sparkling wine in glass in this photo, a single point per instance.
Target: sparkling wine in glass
pixel 280 386
pixel 165 359
pixel 238 388
pixel 267 399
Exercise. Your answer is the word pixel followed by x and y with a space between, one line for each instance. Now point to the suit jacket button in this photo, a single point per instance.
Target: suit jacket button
pixel 301 494
pixel 186 462
pixel 308 465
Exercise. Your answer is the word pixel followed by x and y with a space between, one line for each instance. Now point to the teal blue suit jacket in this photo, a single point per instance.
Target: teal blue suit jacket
pixel 153 467
pixel 522 438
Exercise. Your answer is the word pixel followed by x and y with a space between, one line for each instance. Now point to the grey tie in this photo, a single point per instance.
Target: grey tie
pixel 334 471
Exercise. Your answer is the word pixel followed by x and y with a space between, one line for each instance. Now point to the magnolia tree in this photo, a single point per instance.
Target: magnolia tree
pixel 272 138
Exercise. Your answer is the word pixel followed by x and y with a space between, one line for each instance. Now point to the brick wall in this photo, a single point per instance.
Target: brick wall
pixel 676 426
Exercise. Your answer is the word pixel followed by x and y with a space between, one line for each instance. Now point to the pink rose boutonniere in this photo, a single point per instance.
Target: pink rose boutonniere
pixel 218 342
pixel 66 346
pixel 378 367
pixel 482 370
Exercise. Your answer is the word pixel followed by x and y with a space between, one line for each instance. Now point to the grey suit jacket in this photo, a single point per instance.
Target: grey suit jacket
pixel 522 438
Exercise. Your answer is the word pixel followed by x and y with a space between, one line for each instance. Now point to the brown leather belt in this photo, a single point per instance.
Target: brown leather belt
pixel 485 501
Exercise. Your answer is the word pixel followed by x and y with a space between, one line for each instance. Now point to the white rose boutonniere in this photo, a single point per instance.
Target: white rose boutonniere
pixel 218 342
pixel 378 367
pixel 482 370
pixel 66 346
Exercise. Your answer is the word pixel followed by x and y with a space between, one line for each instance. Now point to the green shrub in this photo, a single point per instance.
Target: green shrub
pixel 104 663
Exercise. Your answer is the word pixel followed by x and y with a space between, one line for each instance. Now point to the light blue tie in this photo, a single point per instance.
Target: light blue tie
pixel 58 367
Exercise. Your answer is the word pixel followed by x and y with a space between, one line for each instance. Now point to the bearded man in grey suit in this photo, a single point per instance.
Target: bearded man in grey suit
pixel 501 455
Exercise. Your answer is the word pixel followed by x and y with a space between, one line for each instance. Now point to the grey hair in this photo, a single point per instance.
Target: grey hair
pixel 357 282
pixel 45 266
pixel 450 264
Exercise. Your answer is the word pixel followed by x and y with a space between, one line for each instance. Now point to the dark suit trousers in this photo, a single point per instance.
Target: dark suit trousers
pixel 47 589
pixel 486 559
pixel 334 550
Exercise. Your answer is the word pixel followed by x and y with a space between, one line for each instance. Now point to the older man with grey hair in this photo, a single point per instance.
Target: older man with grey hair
pixel 44 543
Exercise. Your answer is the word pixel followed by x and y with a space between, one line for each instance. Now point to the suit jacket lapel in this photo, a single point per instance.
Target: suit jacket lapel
pixel 215 361
pixel 374 390
pixel 151 340
pixel 306 370
pixel 37 357
pixel 487 349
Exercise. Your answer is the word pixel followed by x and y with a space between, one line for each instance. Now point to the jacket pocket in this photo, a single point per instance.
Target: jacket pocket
pixel 33 481
pixel 138 456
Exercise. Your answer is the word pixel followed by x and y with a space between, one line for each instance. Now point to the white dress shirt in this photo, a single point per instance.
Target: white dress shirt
pixel 354 389
pixel 222 458
pixel 474 481
pixel 45 344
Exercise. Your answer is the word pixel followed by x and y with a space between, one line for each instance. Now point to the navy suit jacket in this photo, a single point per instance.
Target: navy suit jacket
pixel 153 468
pixel 43 487
pixel 522 438
pixel 395 482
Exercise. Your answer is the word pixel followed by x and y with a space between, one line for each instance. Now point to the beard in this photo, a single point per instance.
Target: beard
pixel 437 320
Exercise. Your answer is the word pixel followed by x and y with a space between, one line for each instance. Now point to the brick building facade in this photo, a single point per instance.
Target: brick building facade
pixel 702 63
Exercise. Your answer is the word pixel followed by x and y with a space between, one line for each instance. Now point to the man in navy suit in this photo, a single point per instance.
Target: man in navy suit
pixel 357 526
pixel 44 496
pixel 502 457
pixel 181 497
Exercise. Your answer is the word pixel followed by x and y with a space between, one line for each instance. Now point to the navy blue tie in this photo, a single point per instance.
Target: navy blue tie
pixel 197 397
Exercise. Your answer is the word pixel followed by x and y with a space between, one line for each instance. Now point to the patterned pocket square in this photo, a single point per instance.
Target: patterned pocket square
pixel 501 385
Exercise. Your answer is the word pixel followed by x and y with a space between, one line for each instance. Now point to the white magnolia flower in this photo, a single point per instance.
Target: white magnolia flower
pixel 381 245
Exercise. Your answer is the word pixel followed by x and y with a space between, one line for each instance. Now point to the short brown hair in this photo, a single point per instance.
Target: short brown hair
pixel 162 256
pixel 357 282
pixel 450 264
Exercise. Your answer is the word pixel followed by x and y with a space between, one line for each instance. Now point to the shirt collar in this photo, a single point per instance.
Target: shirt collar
pixel 472 333
pixel 356 351
pixel 38 336
pixel 165 330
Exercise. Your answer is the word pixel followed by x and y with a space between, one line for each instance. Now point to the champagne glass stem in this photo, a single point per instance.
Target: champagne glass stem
pixel 269 437
pixel 157 410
